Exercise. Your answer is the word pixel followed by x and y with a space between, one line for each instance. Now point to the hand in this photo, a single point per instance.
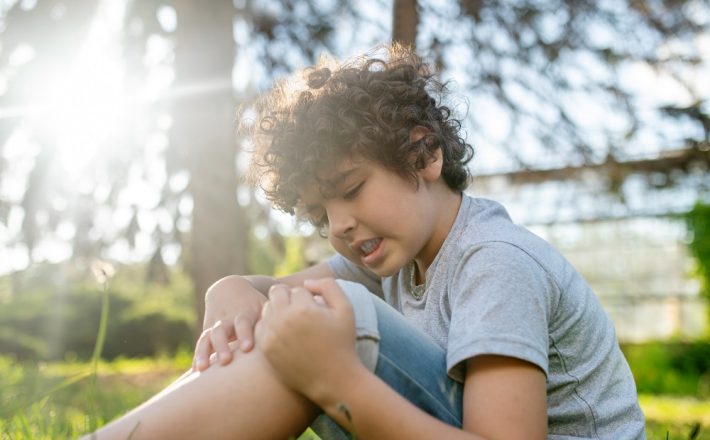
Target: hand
pixel 232 308
pixel 309 340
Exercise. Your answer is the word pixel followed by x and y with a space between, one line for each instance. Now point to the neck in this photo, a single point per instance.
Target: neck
pixel 445 208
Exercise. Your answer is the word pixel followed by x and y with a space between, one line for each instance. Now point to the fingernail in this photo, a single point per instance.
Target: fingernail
pixel 223 356
pixel 200 362
pixel 245 345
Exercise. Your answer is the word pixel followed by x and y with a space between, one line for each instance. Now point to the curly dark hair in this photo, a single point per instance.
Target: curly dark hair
pixel 362 108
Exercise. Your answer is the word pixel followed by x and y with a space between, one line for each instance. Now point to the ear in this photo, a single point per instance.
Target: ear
pixel 432 170
pixel 417 133
pixel 435 163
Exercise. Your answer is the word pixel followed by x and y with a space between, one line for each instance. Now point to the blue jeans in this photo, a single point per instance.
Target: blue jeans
pixel 403 356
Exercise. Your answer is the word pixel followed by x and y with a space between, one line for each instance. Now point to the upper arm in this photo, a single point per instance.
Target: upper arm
pixel 505 397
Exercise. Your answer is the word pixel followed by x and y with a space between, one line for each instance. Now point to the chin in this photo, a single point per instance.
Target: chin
pixel 379 271
pixel 386 271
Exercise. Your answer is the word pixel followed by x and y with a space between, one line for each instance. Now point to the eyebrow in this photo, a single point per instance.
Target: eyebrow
pixel 337 180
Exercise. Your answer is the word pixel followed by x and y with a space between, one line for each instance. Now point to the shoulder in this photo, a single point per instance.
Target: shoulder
pixel 503 276
pixel 488 240
pixel 486 223
pixel 503 270
pixel 497 257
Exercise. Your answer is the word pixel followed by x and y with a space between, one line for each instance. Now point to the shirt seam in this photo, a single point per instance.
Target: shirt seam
pixel 563 362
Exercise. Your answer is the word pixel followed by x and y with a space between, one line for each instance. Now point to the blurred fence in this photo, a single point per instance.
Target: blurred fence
pixel 641 270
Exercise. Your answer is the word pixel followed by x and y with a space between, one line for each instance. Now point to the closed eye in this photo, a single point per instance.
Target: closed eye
pixel 351 193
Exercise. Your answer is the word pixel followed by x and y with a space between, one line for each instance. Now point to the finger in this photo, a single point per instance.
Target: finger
pixel 279 296
pixel 202 351
pixel 265 310
pixel 244 327
pixel 220 342
pixel 301 295
pixel 330 291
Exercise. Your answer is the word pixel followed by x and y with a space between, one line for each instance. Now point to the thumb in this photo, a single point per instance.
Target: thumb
pixel 331 292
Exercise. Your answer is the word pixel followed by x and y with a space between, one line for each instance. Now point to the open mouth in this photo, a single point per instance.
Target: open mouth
pixel 370 246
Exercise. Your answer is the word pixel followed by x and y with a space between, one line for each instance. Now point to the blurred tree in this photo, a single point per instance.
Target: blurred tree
pixel 202 105
pixel 204 129
pixel 698 221
pixel 555 69
pixel 405 19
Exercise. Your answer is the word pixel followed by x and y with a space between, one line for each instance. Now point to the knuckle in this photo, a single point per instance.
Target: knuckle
pixel 278 288
pixel 243 321
pixel 300 289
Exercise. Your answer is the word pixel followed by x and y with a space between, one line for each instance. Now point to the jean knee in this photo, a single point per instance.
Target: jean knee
pixel 368 336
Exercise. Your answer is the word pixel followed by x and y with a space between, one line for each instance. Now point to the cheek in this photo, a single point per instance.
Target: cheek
pixel 343 250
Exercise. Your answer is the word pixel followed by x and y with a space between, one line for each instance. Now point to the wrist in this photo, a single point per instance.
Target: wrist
pixel 330 394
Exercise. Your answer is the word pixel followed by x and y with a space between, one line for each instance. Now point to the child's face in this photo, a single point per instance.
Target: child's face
pixel 375 217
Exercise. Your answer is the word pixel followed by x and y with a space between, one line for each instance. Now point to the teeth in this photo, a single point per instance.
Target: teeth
pixel 369 245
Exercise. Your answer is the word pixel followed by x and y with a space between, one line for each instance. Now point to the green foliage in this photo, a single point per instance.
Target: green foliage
pixel 672 368
pixel 294 259
pixel 698 222
pixel 53 312
pixel 263 256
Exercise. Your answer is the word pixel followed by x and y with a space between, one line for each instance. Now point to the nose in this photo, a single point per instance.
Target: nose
pixel 341 222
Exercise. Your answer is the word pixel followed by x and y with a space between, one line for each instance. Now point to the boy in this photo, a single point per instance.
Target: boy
pixel 494 334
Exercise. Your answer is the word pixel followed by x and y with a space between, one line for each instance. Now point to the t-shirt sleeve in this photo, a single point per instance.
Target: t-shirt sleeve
pixel 347 270
pixel 500 304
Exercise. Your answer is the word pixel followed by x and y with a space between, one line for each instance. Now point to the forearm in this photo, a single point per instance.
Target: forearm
pixel 373 410
pixel 263 283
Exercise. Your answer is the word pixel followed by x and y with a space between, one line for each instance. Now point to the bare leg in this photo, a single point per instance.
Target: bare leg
pixel 241 400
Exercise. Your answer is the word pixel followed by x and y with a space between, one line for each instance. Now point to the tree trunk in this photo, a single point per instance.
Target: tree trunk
pixel 405 19
pixel 203 129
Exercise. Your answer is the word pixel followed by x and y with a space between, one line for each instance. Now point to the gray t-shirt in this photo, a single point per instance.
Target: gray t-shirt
pixel 496 288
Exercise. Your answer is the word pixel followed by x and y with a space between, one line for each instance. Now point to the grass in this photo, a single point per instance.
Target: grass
pixel 60 401
pixel 52 400
pixel 675 417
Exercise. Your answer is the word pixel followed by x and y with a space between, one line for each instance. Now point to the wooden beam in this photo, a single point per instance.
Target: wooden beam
pixel 683 160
